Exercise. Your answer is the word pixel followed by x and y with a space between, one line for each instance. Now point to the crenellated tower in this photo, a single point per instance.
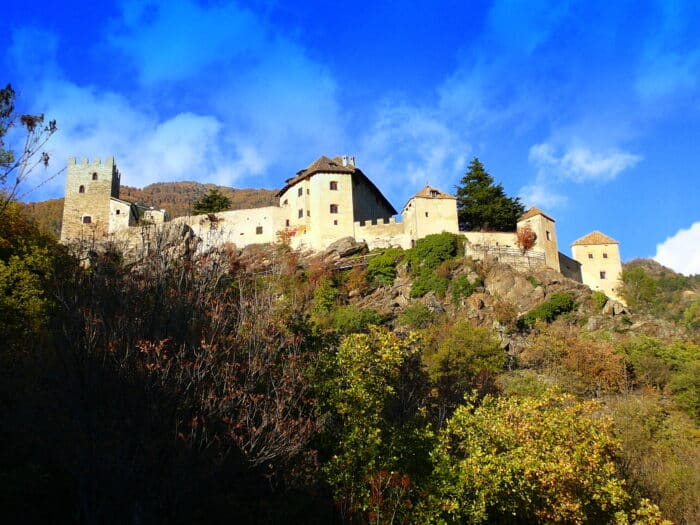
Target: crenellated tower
pixel 89 190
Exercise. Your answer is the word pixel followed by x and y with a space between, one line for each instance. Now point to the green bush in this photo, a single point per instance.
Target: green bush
pixel 462 287
pixel 533 281
pixel 417 316
pixel 381 269
pixel 430 251
pixel 599 299
pixel 558 303
pixel 429 282
pixel 352 319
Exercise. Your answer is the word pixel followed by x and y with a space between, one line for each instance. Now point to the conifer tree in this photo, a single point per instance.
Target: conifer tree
pixel 212 202
pixel 482 204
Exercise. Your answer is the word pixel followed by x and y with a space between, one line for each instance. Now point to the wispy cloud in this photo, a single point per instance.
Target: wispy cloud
pixel 580 164
pixel 681 252
pixel 408 147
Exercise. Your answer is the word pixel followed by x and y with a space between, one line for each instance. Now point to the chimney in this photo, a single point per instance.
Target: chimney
pixel 345 160
pixel 352 161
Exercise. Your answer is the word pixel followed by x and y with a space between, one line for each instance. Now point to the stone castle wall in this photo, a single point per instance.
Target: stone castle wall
pixel 89 188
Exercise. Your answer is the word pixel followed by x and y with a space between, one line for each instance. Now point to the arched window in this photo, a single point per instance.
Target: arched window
pixel 81 189
pixel 94 175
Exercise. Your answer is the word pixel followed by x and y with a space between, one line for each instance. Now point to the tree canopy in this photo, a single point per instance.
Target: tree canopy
pixel 482 204
pixel 212 202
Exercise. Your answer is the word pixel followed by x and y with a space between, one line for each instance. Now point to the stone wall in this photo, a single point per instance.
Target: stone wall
pixel 89 188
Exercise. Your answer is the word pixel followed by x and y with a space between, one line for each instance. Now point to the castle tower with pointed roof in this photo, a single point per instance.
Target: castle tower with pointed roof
pixel 430 211
pixel 543 226
pixel 601 266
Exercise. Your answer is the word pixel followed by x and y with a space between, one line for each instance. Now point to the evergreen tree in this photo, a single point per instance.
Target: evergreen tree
pixel 481 204
pixel 212 202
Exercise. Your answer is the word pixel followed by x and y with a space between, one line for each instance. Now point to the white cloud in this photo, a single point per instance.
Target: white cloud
pixel 681 252
pixel 580 164
pixel 408 147
pixel 542 195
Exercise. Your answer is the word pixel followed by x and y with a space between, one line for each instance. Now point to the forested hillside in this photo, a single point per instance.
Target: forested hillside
pixel 174 197
pixel 265 386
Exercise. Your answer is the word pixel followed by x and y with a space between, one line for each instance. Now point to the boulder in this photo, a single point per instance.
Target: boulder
pixel 346 247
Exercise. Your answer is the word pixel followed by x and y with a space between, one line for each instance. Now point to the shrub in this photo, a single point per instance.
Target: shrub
pixel 463 287
pixel 533 281
pixel 599 299
pixel 558 303
pixel 382 268
pixel 429 282
pixel 430 251
pixel 352 319
pixel 417 316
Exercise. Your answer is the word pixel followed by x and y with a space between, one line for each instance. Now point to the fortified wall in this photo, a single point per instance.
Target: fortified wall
pixel 327 201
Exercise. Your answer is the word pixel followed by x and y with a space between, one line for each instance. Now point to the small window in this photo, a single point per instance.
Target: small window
pixel 286 223
pixel 307 191
pixel 602 275
pixel 308 213
pixel 258 230
pixel 335 222
pixel 605 256
pixel 94 176
pixel 118 212
pixel 334 185
pixel 426 213
pixel 286 201
pixel 590 256
pixel 81 189
pixel 549 236
pixel 334 208
pixel 300 192
pixel 301 213
pixel 87 219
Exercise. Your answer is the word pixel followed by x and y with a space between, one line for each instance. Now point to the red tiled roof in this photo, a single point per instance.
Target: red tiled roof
pixel 532 212
pixel 427 193
pixel 594 238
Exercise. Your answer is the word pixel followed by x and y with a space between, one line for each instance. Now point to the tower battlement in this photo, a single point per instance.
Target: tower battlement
pixel 108 161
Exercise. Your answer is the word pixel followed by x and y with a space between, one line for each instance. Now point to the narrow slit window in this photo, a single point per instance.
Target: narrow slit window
pixel 286 223
pixel 549 236
pixel 81 189
pixel 119 212
pixel 300 192
pixel 301 213
pixel 94 176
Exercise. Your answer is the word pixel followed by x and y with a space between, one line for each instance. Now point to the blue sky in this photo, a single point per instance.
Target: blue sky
pixel 588 109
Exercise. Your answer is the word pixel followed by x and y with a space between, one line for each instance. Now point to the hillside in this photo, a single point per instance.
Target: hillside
pixel 651 288
pixel 265 385
pixel 174 197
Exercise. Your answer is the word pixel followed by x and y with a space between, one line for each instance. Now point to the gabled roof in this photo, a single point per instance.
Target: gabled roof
pixel 321 165
pixel 324 164
pixel 427 193
pixel 594 238
pixel 532 212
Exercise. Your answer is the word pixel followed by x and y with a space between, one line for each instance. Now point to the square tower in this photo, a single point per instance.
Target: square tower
pixel 89 189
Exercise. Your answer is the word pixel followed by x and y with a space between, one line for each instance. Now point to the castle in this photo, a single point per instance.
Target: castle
pixel 329 200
